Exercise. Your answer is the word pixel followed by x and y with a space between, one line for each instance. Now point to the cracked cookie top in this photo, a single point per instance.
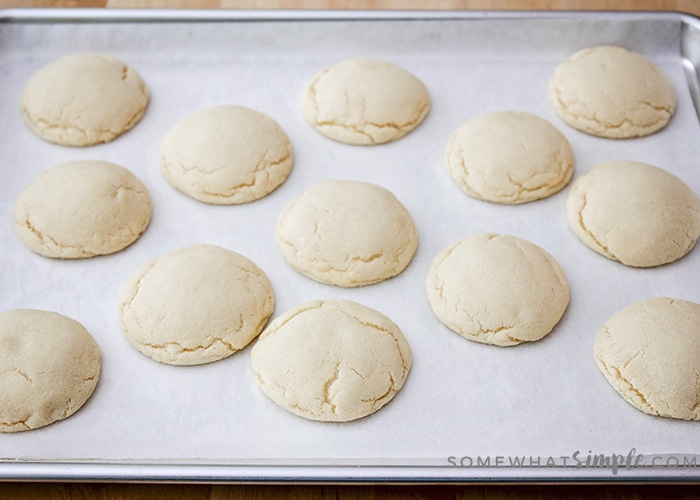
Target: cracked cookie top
pixel 365 102
pixel 226 155
pixel 650 353
pixel 49 368
pixel 347 233
pixel 509 157
pixel 331 360
pixel 81 209
pixel 634 213
pixel 497 289
pixel 611 92
pixel 84 99
pixel 195 305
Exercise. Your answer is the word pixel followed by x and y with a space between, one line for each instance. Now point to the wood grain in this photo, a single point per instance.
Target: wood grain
pixel 688 6
pixel 78 491
pixel 83 491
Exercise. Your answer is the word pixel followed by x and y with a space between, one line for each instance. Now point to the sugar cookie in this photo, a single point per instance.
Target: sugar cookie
pixel 509 157
pixel 635 213
pixel 226 155
pixel 347 233
pixel 49 368
pixel 497 289
pixel 84 99
pixel 81 209
pixel 195 305
pixel 365 102
pixel 332 360
pixel 650 353
pixel 612 92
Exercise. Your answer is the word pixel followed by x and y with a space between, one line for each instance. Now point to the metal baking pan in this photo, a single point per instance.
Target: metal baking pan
pixel 468 412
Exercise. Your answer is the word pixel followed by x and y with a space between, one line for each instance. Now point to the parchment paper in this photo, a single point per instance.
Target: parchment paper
pixel 461 399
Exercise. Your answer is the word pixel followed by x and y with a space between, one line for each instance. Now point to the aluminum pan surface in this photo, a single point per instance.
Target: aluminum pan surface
pixel 539 401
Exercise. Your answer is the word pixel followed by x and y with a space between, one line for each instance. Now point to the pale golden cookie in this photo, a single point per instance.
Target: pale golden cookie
pixel 332 360
pixel 195 305
pixel 497 289
pixel 612 92
pixel 347 233
pixel 365 102
pixel 509 157
pixel 650 353
pixel 635 213
pixel 49 368
pixel 81 209
pixel 84 99
pixel 226 155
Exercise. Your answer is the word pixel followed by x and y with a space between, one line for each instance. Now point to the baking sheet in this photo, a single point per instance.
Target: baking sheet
pixel 468 411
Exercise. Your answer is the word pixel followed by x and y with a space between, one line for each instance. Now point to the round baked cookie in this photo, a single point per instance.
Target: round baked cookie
pixel 226 155
pixel 331 360
pixel 497 289
pixel 634 213
pixel 365 102
pixel 81 209
pixel 611 92
pixel 49 368
pixel 347 233
pixel 650 353
pixel 509 157
pixel 84 99
pixel 195 305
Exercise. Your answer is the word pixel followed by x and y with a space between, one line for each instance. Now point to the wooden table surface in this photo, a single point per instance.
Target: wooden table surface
pixel 63 491
pixel 688 6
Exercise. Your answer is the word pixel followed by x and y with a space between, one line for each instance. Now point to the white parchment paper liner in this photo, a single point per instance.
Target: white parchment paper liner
pixel 461 398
